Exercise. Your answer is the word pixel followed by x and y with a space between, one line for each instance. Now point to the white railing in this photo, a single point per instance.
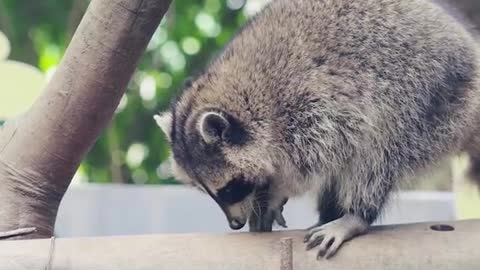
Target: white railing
pixel 99 210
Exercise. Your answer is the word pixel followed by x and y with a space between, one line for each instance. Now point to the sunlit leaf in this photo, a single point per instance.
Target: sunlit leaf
pixel 4 46
pixel 20 84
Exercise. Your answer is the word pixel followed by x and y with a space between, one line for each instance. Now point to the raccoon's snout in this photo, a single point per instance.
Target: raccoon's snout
pixel 237 224
pixel 236 216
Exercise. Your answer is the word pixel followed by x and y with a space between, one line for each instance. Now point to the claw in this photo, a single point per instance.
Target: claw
pixel 333 249
pixel 306 238
pixel 325 246
pixel 280 219
pixel 329 237
pixel 314 243
pixel 311 232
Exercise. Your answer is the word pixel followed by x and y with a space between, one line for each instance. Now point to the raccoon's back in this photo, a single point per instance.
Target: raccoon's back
pixel 395 76
pixel 381 40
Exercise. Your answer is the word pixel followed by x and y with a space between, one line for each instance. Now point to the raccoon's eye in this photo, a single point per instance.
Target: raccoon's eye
pixel 235 191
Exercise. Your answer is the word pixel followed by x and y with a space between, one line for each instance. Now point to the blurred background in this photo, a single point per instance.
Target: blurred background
pixel 132 150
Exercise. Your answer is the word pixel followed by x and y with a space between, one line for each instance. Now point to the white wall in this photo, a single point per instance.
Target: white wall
pixel 95 210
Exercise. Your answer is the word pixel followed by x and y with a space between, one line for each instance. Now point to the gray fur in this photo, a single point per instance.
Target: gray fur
pixel 349 97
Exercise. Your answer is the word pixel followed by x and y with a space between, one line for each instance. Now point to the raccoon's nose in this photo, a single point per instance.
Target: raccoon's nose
pixel 236 224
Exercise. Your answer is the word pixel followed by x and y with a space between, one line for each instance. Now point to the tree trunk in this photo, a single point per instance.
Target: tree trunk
pixel 41 149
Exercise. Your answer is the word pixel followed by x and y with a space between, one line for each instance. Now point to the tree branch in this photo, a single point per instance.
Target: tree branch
pixel 41 150
pixel 17 232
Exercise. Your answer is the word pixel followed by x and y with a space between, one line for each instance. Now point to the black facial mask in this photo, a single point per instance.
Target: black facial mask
pixel 235 191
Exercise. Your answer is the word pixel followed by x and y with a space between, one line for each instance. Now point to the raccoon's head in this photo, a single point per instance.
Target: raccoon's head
pixel 220 154
pixel 223 130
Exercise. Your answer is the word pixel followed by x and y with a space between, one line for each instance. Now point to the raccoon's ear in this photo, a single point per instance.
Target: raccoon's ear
pixel 164 121
pixel 212 126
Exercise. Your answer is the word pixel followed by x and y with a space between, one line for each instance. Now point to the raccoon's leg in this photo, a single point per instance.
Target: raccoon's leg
pixel 328 207
pixel 263 218
pixel 267 209
pixel 356 219
pixel 473 150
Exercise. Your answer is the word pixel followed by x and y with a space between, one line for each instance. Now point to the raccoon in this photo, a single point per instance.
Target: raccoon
pixel 344 99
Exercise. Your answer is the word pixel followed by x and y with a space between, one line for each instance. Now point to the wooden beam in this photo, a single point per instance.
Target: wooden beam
pixel 399 247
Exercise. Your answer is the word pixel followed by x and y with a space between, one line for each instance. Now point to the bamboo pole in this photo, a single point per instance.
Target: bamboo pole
pixel 399 247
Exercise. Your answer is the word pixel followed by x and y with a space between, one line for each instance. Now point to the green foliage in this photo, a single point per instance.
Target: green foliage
pixel 132 148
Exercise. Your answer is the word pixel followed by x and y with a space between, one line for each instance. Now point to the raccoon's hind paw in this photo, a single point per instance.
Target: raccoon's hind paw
pixel 329 237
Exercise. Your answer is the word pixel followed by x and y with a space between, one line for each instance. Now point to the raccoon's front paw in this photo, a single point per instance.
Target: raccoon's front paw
pixel 265 222
pixel 262 219
pixel 329 237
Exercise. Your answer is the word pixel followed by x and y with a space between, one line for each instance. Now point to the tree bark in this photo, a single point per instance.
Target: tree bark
pixel 41 149
pixel 400 247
